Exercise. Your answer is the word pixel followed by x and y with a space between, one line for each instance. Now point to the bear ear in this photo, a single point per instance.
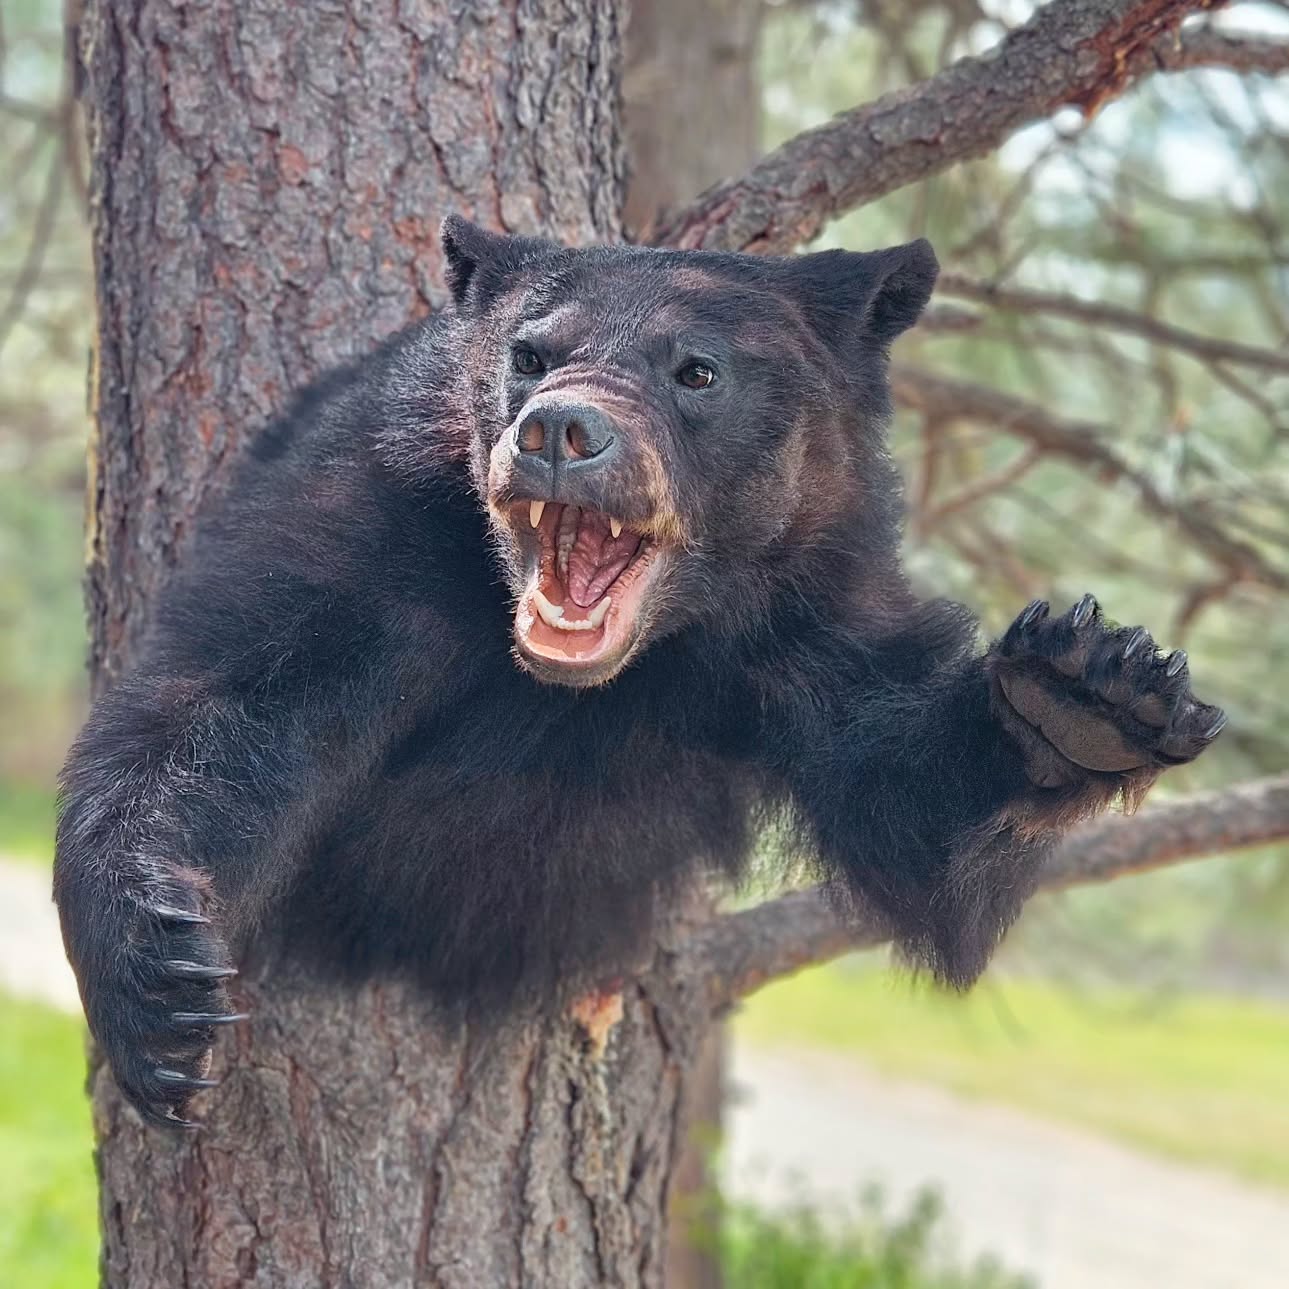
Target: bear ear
pixel 465 247
pixel 483 260
pixel 884 292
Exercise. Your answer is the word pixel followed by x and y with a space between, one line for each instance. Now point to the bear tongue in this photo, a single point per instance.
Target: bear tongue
pixel 597 558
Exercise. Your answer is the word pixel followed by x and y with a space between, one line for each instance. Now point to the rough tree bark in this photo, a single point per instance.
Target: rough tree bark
pixel 266 190
pixel 267 179
pixel 1075 53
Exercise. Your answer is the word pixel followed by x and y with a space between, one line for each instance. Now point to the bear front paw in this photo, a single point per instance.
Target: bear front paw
pixel 156 1012
pixel 1084 698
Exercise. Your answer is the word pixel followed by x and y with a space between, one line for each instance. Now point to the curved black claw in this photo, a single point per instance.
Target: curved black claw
pixel 198 970
pixel 1175 663
pixel 1134 642
pixel 1037 609
pixel 1216 728
pixel 180 1079
pixel 170 913
pixel 208 1018
pixel 1083 611
pixel 172 1120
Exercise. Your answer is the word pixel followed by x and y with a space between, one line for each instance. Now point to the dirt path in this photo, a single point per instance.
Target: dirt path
pixel 1076 1211
pixel 1073 1210
pixel 32 964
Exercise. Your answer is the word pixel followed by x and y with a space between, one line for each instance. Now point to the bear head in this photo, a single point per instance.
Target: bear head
pixel 673 438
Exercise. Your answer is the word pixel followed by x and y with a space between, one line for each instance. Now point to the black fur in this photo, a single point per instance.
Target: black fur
pixel 330 734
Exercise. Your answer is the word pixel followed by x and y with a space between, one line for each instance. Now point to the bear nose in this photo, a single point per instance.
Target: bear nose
pixel 553 438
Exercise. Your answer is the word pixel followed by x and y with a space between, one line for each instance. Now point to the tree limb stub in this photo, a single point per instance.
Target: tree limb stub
pixel 739 952
pixel 1075 53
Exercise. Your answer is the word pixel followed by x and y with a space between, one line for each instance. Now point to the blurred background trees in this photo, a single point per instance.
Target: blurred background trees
pixel 1099 398
pixel 46 301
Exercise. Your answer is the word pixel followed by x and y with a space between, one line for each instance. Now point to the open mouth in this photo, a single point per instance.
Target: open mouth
pixel 580 612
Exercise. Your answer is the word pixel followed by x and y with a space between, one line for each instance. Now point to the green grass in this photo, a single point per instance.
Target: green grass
pixel 1199 1078
pixel 26 822
pixel 49 1236
pixel 48 1223
pixel 803 1249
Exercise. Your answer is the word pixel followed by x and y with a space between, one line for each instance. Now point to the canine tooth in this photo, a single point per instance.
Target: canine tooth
pixel 615 527
pixel 599 613
pixel 548 612
pixel 535 509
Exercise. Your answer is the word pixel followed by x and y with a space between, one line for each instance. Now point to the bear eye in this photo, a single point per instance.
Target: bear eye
pixel 526 362
pixel 696 375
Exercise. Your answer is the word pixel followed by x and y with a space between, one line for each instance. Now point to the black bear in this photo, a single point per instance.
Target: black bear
pixel 501 633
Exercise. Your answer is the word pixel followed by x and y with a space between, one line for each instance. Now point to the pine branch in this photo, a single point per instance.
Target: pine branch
pixel 737 953
pixel 1071 53
pixel 1206 46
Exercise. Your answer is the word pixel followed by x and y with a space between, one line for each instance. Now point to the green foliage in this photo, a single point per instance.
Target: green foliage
pixel 1198 1078
pixel 26 822
pixel 801 1248
pixel 43 364
pixel 48 1230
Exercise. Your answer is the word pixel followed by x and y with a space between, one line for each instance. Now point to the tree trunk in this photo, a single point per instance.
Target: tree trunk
pixel 692 115
pixel 268 180
pixel 693 101
pixel 267 183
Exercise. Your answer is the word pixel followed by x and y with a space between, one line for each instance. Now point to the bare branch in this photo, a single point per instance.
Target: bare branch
pixel 1207 349
pixel 1075 53
pixel 1205 46
pixel 979 489
pixel 739 952
pixel 946 399
pixel 34 259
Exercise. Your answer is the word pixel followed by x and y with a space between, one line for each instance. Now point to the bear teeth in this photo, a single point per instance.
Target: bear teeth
pixel 553 614
pixel 565 539
pixel 615 527
pixel 535 509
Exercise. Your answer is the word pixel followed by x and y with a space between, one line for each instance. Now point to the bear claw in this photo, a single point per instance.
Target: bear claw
pixel 155 1016
pixel 198 970
pixel 1135 641
pixel 1098 695
pixel 1036 610
pixel 179 1078
pixel 1084 611
pixel 171 913
pixel 1216 728
pixel 208 1018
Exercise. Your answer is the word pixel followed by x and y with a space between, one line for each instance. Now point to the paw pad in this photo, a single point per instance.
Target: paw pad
pixel 1102 696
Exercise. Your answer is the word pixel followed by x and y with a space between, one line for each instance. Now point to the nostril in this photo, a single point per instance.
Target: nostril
pixel 583 443
pixel 532 436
